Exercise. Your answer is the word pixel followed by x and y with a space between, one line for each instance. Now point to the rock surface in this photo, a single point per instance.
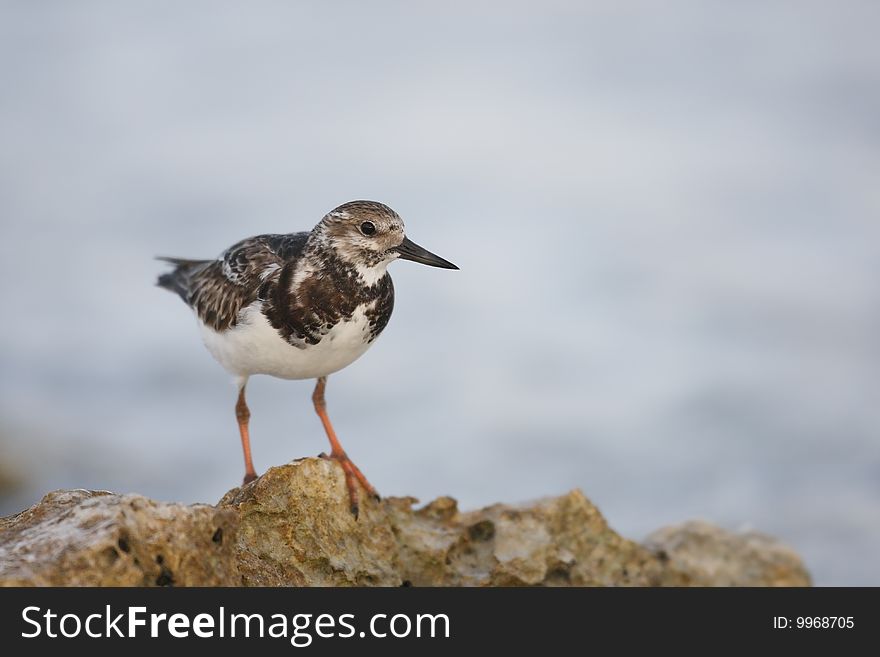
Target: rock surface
pixel 292 527
pixel 95 538
pixel 713 557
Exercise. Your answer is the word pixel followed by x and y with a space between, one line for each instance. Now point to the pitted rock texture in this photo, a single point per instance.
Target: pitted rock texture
pixel 292 527
pixel 96 538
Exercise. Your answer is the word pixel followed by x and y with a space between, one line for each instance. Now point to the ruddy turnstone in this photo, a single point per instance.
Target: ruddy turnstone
pixel 300 306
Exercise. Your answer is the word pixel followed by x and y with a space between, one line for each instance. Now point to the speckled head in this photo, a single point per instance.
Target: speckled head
pixel 370 235
pixel 363 232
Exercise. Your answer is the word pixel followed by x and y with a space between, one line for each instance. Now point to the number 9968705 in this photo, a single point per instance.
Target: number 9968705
pixel 824 622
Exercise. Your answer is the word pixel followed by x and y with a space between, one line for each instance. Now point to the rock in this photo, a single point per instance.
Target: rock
pixel 561 541
pixel 296 529
pixel 715 557
pixel 95 538
pixel 292 526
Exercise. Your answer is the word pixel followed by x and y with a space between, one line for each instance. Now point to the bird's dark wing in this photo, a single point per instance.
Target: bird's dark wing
pixel 219 289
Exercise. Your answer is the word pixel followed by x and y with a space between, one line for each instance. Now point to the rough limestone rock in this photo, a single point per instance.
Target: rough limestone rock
pixel 295 528
pixel 95 538
pixel 292 527
pixel 715 557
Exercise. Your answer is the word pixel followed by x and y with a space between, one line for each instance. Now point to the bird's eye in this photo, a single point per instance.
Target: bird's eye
pixel 368 228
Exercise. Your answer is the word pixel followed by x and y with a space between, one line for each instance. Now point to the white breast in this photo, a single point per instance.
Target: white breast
pixel 253 346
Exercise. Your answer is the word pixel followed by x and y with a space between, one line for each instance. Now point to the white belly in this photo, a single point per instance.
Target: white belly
pixel 253 346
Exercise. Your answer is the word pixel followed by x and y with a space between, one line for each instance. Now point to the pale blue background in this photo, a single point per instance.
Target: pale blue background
pixel 666 215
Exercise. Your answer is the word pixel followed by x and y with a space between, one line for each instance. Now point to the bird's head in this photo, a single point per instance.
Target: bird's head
pixel 370 235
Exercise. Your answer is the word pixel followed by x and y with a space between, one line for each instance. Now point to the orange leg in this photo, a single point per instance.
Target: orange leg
pixel 243 415
pixel 352 473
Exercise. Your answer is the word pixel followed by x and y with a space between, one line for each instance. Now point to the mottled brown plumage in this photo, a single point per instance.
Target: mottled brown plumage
pixel 303 314
pixel 219 289
pixel 300 305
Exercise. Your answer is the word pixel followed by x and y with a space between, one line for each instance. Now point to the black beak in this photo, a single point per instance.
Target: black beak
pixel 409 250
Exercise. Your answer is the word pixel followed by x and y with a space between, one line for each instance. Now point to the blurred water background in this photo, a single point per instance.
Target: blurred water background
pixel 666 216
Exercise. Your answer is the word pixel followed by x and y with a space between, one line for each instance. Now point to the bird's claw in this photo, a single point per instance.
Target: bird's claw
pixel 353 477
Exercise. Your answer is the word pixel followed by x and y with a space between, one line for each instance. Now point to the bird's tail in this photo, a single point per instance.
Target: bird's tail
pixel 177 280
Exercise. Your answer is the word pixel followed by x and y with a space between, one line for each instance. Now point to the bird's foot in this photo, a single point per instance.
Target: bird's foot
pixel 248 478
pixel 353 476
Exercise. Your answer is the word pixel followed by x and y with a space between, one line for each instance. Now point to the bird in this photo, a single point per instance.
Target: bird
pixel 300 306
